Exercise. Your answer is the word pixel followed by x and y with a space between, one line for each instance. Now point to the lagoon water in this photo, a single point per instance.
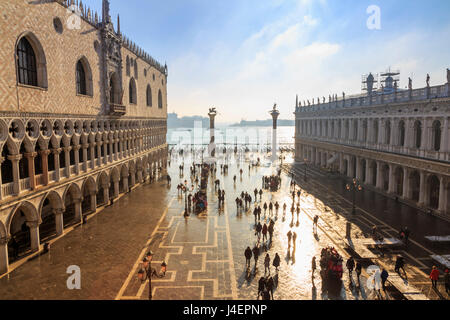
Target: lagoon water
pixel 230 135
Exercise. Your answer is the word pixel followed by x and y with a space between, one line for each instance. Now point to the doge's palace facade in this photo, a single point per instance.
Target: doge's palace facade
pixel 83 119
pixel 396 142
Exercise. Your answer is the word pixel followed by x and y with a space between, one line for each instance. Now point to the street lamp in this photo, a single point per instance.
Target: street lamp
pixel 147 272
pixel 354 186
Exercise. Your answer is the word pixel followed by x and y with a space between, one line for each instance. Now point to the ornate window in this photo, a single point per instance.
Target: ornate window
pixel 149 96
pixel 81 79
pixel 436 135
pixel 132 91
pixel 128 66
pixel 417 134
pixel 26 63
pixel 160 102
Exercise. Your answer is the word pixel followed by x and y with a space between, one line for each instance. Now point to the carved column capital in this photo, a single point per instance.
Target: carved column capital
pixel 33 224
pixel 56 151
pixel 4 240
pixel 44 152
pixel 14 157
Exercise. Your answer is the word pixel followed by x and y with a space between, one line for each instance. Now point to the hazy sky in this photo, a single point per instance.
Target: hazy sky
pixel 241 56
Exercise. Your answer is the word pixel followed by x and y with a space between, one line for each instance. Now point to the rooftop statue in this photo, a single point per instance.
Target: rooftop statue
pixel 212 110
pixel 428 80
pixel 409 83
pixel 448 75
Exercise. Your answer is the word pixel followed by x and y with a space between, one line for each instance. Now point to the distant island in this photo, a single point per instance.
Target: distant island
pixel 185 122
pixel 173 122
pixel 263 123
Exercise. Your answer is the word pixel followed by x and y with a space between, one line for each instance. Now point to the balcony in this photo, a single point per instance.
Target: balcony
pixel 117 109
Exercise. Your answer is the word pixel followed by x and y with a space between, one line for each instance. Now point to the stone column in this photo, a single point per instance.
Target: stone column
pixel 442 195
pixel 391 188
pixel 409 133
pixel 31 173
pixel 67 160
pixel 93 196
pixel 139 175
pixel 133 178
pixel 341 163
pixel 125 183
pixel 78 209
pixel 358 169
pixel 85 151
pixel 368 173
pixel 111 150
pixel 44 156
pixel 92 145
pixel 405 193
pixel 444 137
pixel 394 124
pixel 422 189
pixel 106 192
pixel 56 153
pixel 105 151
pixel 99 153
pixel 59 220
pixel 379 176
pixel 116 189
pixel 4 263
pixel 274 113
pixel 76 154
pixel 15 168
pixel 34 235
pixel 424 138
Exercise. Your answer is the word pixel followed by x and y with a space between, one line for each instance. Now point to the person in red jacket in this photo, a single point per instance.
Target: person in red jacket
pixel 434 276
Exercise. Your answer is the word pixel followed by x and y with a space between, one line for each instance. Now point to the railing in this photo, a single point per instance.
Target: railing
pixel 25 184
pixel 62 172
pixel 117 109
pixel 40 179
pixel 440 91
pixel 52 176
pixel 7 189
pixel 73 170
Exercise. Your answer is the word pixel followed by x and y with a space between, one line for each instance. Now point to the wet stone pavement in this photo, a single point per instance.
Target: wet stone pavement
pixel 204 253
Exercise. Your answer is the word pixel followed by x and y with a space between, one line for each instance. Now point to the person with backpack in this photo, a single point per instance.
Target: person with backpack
pixel 399 264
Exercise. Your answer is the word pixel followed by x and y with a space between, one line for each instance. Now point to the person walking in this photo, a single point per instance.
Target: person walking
pixel 261 286
pixel 270 207
pixel 316 219
pixel 289 235
pixel 259 213
pixel 434 276
pixel 264 232
pixel 276 262
pixel 407 233
pixel 277 206
pixel 313 266
pixel 269 285
pixel 255 213
pixel 255 252
pixel 234 179
pixel 265 208
pixel 358 272
pixel 260 194
pixel 384 276
pixel 258 230
pixel 248 256
pixel 447 281
pixel 284 207
pixel 350 265
pixel 294 238
pixel 270 230
pixel 298 212
pixel 400 264
pixel 267 264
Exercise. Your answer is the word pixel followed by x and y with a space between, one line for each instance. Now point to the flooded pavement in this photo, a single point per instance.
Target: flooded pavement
pixel 204 253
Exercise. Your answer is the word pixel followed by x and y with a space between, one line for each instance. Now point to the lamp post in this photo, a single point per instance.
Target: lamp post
pixel 354 186
pixel 147 272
